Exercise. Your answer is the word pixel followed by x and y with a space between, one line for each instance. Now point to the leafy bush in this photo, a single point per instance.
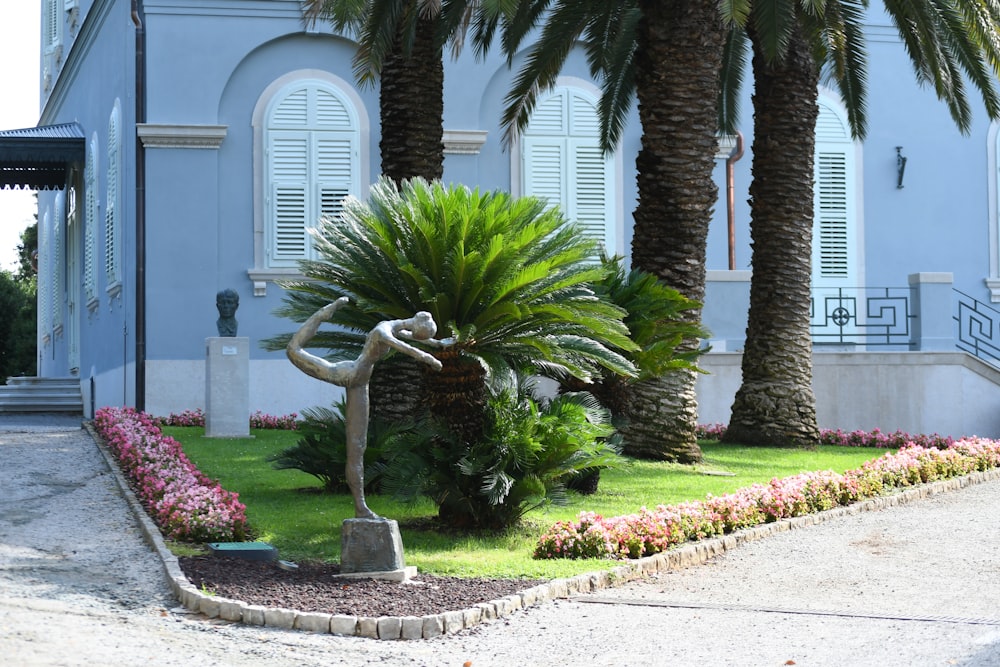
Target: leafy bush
pixel 17 326
pixel 529 450
pixel 322 450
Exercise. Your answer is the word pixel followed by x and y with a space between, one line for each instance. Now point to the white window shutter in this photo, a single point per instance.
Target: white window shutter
pixel 590 204
pixel 311 165
pixel 331 112
pixel 563 162
pixel 288 162
pixel 336 172
pixel 546 170
pixel 834 245
pixel 832 250
pixel 90 222
pixel 292 111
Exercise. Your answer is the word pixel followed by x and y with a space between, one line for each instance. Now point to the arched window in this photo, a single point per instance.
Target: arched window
pixel 312 153
pixel 562 161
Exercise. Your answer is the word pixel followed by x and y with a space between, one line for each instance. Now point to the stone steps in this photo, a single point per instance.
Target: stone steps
pixel 34 394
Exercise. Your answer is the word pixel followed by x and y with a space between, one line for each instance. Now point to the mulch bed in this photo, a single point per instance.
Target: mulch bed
pixel 316 587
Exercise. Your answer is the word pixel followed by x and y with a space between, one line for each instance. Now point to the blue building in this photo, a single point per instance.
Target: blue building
pixel 189 146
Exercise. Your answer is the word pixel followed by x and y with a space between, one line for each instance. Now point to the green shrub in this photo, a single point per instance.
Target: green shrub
pixel 322 450
pixel 529 450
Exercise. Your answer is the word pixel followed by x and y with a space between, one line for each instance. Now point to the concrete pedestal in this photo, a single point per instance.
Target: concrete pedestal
pixel 373 548
pixel 227 387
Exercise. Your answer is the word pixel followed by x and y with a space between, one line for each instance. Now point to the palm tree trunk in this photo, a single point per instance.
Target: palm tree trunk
pixel 411 106
pixel 677 82
pixel 457 394
pixel 411 103
pixel 775 404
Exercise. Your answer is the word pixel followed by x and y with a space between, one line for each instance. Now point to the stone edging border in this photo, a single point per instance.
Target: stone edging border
pixel 450 622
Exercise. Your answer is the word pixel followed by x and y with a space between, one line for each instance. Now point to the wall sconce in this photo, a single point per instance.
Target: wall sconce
pixel 900 167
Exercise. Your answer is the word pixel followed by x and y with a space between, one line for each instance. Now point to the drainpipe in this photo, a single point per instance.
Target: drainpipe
pixel 139 20
pixel 731 197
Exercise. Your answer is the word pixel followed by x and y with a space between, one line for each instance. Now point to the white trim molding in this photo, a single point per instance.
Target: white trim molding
pixel 464 142
pixel 164 135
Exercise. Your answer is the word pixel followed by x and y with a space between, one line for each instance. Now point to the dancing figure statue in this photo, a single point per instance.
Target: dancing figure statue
pixel 355 375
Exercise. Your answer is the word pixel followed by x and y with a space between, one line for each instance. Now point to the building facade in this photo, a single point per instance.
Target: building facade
pixel 207 137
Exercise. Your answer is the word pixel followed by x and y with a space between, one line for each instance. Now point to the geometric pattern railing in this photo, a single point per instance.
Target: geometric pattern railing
pixel 867 316
pixel 978 328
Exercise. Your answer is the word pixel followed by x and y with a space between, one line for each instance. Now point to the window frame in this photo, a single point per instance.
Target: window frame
pixel 263 270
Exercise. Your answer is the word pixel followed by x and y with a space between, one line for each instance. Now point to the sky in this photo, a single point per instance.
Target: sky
pixel 19 35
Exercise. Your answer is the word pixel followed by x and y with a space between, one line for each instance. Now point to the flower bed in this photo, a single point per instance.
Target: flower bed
pixel 873 438
pixel 258 419
pixel 185 503
pixel 651 531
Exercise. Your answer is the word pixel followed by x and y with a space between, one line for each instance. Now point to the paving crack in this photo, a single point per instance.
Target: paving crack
pixel 780 610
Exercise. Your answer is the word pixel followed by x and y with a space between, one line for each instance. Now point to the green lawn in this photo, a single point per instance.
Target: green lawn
pixel 286 508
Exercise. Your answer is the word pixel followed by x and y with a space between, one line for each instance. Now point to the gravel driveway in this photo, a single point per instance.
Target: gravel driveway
pixel 917 584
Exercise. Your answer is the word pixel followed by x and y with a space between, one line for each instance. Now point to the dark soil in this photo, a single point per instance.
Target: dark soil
pixel 316 587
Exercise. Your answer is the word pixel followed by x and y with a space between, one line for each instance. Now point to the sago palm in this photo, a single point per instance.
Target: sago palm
pixel 507 279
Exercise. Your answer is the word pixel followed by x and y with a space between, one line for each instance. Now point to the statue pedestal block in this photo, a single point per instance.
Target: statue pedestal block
pixel 372 548
pixel 227 387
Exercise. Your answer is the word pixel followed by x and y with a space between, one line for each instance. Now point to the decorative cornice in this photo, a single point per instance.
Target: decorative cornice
pixel 464 142
pixel 161 135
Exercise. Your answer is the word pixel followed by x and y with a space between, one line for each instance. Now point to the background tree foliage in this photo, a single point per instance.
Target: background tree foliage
pixel 18 311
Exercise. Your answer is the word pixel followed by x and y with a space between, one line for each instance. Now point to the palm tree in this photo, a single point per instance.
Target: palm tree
pixel 399 46
pixel 666 53
pixel 508 279
pixel 775 404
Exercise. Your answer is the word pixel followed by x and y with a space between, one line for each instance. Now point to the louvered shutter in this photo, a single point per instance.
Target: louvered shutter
pixel 45 274
pixel 90 222
pixel 590 204
pixel 312 165
pixel 831 237
pixel 288 161
pixel 335 172
pixel 546 170
pixel 563 162
pixel 834 240
pixel 112 242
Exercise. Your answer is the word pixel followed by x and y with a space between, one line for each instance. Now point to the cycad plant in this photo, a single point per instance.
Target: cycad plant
pixel 656 316
pixel 508 279
pixel 527 453
pixel 321 451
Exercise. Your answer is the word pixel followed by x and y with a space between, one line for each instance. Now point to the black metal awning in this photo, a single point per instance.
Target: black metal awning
pixel 37 158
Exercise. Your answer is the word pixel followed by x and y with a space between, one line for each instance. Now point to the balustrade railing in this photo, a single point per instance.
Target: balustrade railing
pixel 868 316
pixel 978 328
